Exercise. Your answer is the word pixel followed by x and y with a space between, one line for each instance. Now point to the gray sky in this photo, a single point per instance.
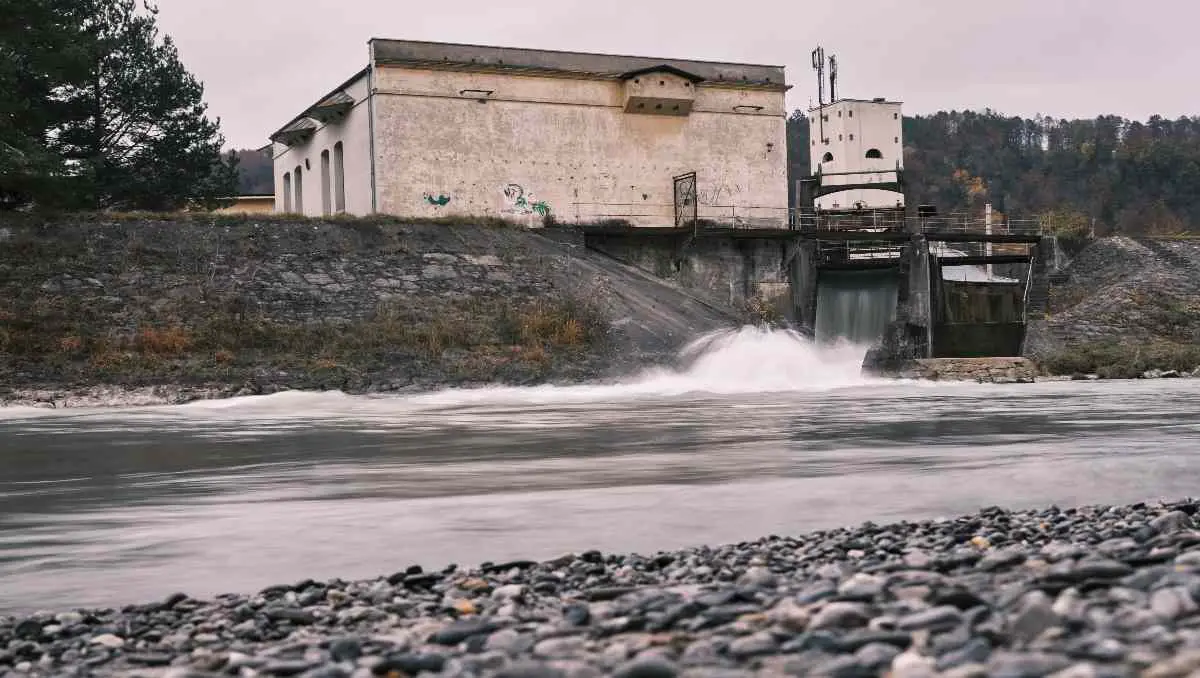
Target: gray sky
pixel 263 61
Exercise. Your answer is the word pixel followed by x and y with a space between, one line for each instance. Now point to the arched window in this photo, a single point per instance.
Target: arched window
pixel 287 191
pixel 339 179
pixel 325 197
pixel 874 154
pixel 299 173
pixel 827 158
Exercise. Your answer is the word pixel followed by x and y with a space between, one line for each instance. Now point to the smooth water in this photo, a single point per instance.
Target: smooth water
pixel 855 306
pixel 759 434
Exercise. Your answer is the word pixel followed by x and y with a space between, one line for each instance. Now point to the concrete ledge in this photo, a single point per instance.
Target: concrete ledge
pixel 984 370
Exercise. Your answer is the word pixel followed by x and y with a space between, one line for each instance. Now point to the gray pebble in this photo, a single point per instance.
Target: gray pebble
pixel 840 615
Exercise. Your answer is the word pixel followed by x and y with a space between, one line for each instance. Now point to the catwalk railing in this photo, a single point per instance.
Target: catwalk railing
pixel 805 220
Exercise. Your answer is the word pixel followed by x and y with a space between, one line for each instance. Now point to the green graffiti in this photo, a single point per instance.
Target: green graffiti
pixel 522 203
pixel 439 201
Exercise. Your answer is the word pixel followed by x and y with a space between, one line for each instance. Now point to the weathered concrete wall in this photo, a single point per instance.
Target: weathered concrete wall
pixel 975 320
pixel 539 145
pixel 727 270
pixel 354 133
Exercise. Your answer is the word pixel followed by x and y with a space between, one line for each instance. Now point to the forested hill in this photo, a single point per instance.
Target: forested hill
pixel 1131 177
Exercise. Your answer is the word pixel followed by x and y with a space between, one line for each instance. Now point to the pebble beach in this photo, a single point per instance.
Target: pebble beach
pixel 1069 592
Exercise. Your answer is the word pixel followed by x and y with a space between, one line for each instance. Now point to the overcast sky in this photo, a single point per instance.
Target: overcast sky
pixel 263 61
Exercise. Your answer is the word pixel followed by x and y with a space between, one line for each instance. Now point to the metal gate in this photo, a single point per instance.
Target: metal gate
pixel 686 205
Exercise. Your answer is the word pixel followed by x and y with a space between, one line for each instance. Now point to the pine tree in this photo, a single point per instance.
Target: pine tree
pixel 134 133
pixel 40 51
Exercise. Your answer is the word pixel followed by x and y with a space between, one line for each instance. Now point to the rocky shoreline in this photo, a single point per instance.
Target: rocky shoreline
pixel 1077 592
pixel 115 395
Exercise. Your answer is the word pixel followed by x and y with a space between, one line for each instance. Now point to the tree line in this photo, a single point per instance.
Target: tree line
pixel 1109 173
pixel 98 112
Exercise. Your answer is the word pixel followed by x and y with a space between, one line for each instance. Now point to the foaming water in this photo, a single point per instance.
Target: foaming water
pixel 745 361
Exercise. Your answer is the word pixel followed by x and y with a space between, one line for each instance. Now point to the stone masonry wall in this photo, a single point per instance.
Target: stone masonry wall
pixel 95 288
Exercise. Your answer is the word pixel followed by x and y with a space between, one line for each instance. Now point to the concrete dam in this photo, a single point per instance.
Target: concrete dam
pixel 909 291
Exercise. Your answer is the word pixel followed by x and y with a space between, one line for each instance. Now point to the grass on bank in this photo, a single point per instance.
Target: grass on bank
pixel 463 337
pixel 1121 361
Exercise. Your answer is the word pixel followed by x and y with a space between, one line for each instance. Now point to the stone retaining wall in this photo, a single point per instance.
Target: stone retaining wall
pixel 989 370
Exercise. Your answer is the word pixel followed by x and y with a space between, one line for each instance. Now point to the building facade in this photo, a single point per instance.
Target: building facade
pixel 857 144
pixel 434 129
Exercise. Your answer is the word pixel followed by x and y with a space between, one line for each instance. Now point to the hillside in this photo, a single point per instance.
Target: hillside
pixel 225 305
pixel 1127 305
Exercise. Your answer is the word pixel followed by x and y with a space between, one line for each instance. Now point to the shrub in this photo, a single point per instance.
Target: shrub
pixel 169 341
pixel 1122 361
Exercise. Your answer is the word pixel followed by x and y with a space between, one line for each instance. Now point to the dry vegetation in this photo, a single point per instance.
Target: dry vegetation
pixel 1122 361
pixel 466 339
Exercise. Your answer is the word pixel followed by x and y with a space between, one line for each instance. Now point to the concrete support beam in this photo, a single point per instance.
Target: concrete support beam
pixel 803 276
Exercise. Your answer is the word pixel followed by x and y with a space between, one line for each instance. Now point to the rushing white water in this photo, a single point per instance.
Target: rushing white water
pixel 728 362
pixel 855 306
pixel 748 360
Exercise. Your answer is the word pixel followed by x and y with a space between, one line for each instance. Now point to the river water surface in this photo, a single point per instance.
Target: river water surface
pixel 760 435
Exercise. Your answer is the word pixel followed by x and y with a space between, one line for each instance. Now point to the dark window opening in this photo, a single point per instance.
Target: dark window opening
pixel 828 157
pixel 339 178
pixel 874 154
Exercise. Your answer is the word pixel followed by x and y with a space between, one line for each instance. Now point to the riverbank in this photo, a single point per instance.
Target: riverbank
pixel 1092 591
pixel 178 307
pixel 1123 307
pixel 984 371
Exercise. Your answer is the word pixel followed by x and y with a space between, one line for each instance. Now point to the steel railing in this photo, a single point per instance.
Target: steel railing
pixel 804 219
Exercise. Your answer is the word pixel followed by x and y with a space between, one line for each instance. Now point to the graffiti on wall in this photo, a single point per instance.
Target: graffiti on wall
pixel 520 202
pixel 715 194
pixel 439 201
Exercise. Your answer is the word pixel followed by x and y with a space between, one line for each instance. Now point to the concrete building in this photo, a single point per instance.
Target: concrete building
pixel 433 129
pixel 857 144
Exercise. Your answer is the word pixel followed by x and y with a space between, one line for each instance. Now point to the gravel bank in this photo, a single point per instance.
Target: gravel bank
pixel 1096 591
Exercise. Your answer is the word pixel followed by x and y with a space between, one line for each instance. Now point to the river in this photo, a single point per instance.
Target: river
pixel 760 434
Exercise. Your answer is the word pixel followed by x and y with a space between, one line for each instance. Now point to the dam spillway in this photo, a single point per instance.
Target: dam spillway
pixel 845 284
pixel 855 305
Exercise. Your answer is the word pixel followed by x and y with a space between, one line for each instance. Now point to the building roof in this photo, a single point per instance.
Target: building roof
pixel 845 100
pixel 662 68
pixel 454 56
pixel 336 97
pixel 578 64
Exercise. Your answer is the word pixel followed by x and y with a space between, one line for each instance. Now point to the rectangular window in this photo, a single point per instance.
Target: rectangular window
pixel 287 191
pixel 339 179
pixel 299 189
pixel 325 208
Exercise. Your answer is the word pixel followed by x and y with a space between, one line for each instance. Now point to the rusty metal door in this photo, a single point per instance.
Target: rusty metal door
pixel 686 205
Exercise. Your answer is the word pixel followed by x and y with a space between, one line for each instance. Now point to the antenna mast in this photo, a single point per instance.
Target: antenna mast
pixel 832 79
pixel 818 62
